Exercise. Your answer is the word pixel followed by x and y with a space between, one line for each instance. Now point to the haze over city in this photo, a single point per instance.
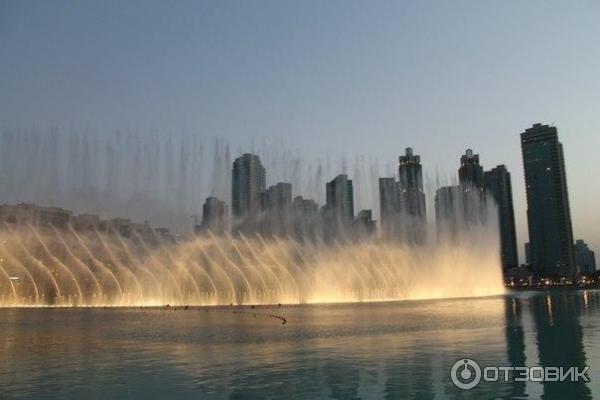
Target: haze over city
pixel 326 79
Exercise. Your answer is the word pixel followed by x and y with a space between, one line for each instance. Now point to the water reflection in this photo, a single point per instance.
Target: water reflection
pixel 515 342
pixel 560 340
pixel 363 351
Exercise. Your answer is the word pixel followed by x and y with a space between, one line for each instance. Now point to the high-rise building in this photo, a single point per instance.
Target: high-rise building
pixel 410 171
pixel 402 203
pixel 277 206
pixel 247 183
pixel 460 207
pixel 548 211
pixel 470 172
pixel 306 219
pixel 497 183
pixel 448 210
pixel 585 258
pixel 214 216
pixel 412 198
pixel 338 211
pixel 340 198
pixel 389 206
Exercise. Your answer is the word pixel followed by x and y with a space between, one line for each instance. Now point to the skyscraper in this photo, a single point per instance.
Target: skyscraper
pixel 460 207
pixel 410 171
pixel 306 221
pixel 402 203
pixel 412 196
pixel 497 183
pixel 548 211
pixel 340 198
pixel 339 207
pixel 277 207
pixel 247 183
pixel 470 172
pixel 389 206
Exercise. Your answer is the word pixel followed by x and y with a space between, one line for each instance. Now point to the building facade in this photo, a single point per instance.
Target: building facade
pixel 448 209
pixel 214 216
pixel 340 198
pixel 585 258
pixel 277 209
pixel 31 214
pixel 460 207
pixel 390 207
pixel 470 172
pixel 548 210
pixel 364 225
pixel 338 212
pixel 277 198
pixel 306 218
pixel 402 202
pixel 412 198
pixel 498 183
pixel 247 183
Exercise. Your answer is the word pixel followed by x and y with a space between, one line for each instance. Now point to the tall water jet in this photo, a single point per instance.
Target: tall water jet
pixel 277 269
pixel 289 251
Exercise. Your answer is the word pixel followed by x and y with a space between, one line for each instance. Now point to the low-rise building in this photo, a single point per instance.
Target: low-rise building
pixel 30 214
pixel 585 258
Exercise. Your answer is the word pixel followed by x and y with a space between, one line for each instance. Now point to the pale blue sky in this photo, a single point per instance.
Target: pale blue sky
pixel 327 76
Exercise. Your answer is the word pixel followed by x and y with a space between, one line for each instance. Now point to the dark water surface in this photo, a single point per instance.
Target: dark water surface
pixel 399 350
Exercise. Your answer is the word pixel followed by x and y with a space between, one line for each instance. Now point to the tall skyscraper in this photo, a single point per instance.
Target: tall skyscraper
pixel 247 183
pixel 460 207
pixel 389 206
pixel 411 184
pixel 497 183
pixel 340 198
pixel 410 171
pixel 470 172
pixel 338 212
pixel 548 211
pixel 402 203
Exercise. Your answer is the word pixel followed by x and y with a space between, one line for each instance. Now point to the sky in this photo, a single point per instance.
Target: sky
pixel 326 77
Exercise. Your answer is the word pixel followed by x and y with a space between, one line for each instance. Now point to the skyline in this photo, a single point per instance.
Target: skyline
pixel 386 78
pixel 367 183
pixel 458 208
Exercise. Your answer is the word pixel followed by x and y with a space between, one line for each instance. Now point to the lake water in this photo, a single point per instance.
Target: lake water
pixel 400 350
